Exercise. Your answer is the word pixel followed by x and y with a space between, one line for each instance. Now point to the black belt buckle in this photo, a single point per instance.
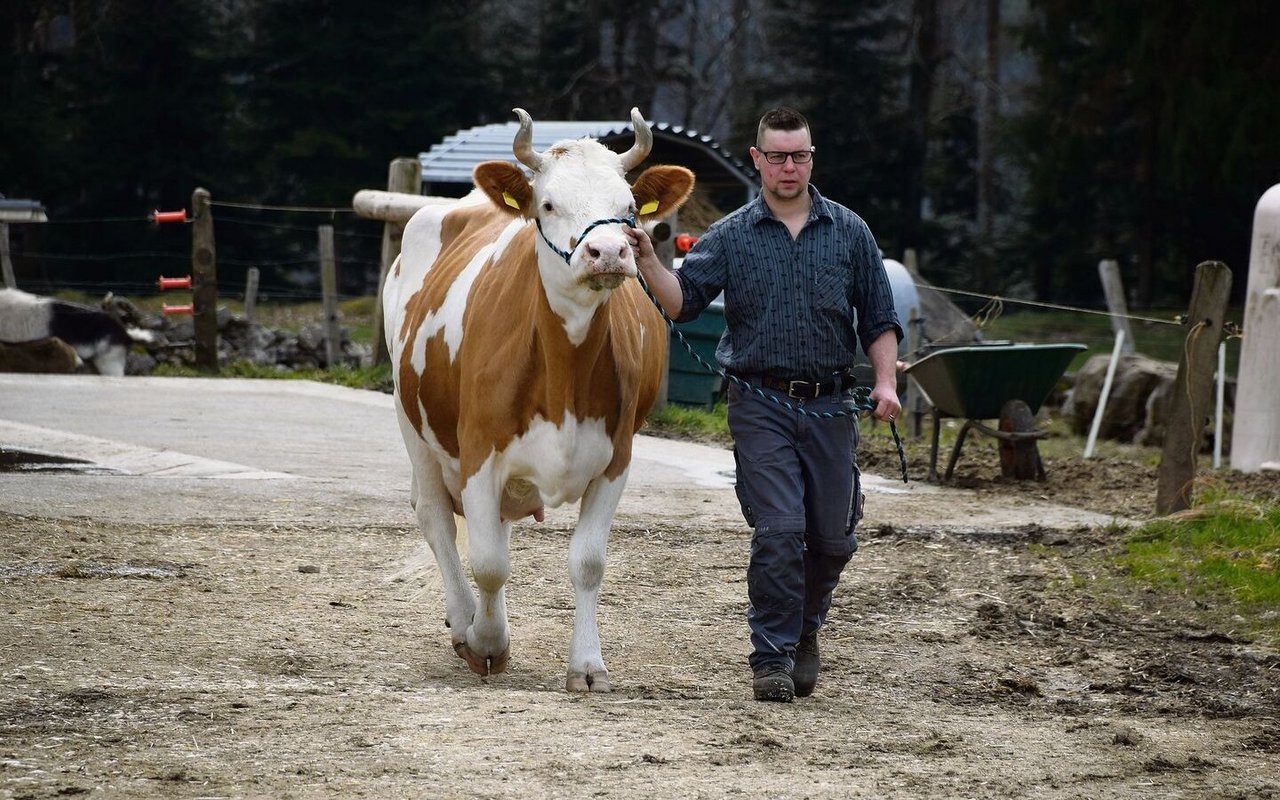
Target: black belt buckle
pixel 814 388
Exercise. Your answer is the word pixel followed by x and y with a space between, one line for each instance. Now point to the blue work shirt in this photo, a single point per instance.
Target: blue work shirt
pixel 790 304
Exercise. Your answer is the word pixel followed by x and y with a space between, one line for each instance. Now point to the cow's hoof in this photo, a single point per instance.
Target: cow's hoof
pixel 498 663
pixel 588 682
pixel 483 665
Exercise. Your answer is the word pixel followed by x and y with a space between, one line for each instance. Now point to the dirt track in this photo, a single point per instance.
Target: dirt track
pixel 277 661
pixel 236 619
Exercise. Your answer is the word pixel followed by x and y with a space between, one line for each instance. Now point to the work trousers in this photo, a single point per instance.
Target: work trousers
pixel 800 490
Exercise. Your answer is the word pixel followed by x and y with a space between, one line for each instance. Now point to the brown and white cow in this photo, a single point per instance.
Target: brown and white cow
pixel 525 362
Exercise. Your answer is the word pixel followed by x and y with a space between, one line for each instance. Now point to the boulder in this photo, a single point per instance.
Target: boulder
pixel 1137 379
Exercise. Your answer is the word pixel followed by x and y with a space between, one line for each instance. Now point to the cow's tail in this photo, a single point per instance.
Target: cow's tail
pixel 419 567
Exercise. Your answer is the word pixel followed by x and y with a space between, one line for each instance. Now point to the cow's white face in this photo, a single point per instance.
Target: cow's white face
pixel 576 185
pixel 582 183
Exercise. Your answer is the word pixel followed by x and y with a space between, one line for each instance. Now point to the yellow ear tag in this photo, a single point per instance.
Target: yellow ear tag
pixel 509 200
pixel 649 207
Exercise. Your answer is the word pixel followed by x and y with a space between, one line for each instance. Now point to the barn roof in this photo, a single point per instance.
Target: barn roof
pixel 723 177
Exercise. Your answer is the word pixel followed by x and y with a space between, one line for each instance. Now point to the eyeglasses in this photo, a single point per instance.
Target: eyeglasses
pixel 780 156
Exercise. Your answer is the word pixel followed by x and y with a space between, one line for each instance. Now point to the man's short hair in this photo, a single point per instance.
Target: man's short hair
pixel 782 118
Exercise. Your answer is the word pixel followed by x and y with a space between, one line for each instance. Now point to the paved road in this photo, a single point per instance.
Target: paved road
pixel 175 449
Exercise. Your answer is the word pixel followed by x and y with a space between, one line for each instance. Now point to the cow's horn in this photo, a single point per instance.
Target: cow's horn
pixel 523 145
pixel 644 142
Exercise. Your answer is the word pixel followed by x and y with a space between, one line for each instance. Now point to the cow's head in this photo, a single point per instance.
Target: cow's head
pixel 578 197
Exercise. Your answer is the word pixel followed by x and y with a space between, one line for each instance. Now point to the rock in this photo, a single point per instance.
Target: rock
pixel 1137 378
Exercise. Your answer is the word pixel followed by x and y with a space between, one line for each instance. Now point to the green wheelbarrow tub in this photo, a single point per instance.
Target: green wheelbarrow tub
pixel 975 381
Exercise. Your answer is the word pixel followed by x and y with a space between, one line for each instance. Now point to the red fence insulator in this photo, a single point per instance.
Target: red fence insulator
pixel 174 283
pixel 684 242
pixel 172 310
pixel 159 217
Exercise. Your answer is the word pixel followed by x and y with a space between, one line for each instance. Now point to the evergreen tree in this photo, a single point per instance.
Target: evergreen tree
pixel 1150 140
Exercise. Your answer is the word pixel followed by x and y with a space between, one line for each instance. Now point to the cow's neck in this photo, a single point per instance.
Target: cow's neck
pixel 574 304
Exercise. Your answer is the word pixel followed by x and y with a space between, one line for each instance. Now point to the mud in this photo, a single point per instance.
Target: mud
pixel 260 658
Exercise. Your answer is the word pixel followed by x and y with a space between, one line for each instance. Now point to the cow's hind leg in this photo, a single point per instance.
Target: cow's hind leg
pixel 587 553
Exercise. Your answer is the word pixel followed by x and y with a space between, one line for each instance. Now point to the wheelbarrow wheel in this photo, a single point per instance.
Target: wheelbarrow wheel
pixel 1019 455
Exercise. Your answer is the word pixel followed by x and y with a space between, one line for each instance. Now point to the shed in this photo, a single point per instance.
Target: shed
pixel 723 181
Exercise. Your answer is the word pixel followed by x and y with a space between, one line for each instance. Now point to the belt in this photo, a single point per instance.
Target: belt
pixel 801 390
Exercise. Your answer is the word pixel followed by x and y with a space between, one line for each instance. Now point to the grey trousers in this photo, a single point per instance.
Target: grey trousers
pixel 800 490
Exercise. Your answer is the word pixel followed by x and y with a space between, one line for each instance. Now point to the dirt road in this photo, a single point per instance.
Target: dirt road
pixel 292 646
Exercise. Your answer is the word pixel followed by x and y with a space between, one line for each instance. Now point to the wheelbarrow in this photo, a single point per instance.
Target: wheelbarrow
pixel 975 382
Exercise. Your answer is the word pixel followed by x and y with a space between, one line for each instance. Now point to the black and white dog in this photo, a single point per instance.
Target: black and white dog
pixel 96 336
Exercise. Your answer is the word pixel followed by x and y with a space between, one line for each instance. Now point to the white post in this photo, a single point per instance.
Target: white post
pixel 1106 391
pixel 1255 435
pixel 1217 417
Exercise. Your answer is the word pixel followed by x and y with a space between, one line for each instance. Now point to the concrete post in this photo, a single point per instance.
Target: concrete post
pixel 1255 435
pixel 1113 287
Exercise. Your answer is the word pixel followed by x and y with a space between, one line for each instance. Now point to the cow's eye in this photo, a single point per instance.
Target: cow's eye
pixel 546 206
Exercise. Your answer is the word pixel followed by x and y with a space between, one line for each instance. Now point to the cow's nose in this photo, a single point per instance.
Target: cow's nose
pixel 595 252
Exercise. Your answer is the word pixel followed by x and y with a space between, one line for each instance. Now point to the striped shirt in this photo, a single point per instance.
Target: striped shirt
pixel 794 308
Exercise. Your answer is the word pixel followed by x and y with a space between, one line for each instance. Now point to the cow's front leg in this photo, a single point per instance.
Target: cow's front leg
pixel 433 507
pixel 486 646
pixel 587 554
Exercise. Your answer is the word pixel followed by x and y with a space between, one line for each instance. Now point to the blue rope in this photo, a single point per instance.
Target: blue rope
pixel 861 394
pixel 568 254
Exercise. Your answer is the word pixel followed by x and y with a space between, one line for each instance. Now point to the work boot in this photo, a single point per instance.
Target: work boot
pixel 805 674
pixel 772 683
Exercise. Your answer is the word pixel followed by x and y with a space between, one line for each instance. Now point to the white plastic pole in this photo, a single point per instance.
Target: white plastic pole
pixel 1255 433
pixel 1217 420
pixel 1106 391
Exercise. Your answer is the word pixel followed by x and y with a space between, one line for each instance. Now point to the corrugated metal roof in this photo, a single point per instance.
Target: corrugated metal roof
pixel 452 160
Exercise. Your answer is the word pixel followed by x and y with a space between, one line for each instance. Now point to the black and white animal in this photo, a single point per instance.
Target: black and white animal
pixel 98 338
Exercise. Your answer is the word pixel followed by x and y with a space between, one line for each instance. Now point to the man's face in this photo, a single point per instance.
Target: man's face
pixel 788 180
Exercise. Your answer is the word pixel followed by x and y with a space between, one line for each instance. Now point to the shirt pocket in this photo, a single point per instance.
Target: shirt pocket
pixel 830 288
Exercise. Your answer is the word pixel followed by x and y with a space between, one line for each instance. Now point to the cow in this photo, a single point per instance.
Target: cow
pixel 524 363
pixel 98 338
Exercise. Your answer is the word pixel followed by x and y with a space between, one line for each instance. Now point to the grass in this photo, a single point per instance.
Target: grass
pixel 1222 553
pixel 690 423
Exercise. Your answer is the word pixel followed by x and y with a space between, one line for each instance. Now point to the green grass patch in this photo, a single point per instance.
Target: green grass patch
pixel 690 423
pixel 1224 552
pixel 376 378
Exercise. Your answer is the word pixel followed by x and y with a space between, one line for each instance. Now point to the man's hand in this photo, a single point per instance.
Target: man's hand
pixel 660 280
pixel 883 353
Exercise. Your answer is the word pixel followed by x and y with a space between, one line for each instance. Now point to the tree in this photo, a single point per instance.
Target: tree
pixel 1148 140
pixel 837 63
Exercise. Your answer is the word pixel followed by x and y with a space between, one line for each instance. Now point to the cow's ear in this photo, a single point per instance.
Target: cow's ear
pixel 660 190
pixel 506 186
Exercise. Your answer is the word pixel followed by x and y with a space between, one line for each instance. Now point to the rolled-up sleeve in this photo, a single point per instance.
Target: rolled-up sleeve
pixel 871 293
pixel 702 276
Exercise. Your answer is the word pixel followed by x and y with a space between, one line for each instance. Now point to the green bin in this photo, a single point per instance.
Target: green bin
pixel 688 382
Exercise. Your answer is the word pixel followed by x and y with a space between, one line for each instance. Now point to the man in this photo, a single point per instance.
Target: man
pixel 794 268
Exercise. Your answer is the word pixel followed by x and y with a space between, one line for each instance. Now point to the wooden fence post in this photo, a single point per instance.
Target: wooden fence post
pixel 5 263
pixel 1255 435
pixel 1113 287
pixel 329 288
pixel 204 282
pixel 1193 388
pixel 404 175
pixel 915 403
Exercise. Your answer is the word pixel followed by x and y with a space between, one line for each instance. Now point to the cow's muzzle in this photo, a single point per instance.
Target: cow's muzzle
pixel 568 254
